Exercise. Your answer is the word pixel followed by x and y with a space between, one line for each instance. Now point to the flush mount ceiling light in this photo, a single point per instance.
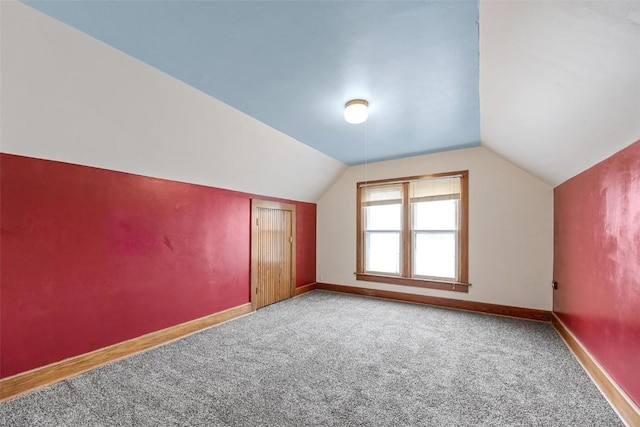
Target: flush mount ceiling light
pixel 356 111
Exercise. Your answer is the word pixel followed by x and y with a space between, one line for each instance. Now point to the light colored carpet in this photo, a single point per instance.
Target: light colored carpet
pixel 335 360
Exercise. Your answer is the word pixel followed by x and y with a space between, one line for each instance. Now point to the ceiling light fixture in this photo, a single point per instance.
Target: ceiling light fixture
pixel 356 111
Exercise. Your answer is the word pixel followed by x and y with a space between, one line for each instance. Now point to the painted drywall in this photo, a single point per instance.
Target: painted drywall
pixel 305 243
pixel 597 263
pixel 69 97
pixel 510 227
pixel 92 257
pixel 559 86
pixel 293 64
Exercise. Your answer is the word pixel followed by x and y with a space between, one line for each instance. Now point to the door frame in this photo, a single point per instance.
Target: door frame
pixel 269 204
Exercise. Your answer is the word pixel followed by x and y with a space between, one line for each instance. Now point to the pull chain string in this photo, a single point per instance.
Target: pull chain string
pixel 366 152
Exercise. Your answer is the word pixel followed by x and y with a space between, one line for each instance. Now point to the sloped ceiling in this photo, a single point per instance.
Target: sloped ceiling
pixel 559 82
pixel 294 64
pixel 70 98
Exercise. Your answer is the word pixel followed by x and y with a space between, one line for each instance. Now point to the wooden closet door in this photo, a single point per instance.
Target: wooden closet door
pixel 272 252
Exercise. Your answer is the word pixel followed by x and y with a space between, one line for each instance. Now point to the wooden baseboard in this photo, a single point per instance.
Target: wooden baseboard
pixel 25 382
pixel 304 289
pixel 481 307
pixel 618 399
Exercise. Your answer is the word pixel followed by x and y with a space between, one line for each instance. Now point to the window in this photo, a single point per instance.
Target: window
pixel 413 231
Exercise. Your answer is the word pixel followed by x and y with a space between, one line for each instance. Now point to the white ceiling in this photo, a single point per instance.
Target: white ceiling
pixel 559 82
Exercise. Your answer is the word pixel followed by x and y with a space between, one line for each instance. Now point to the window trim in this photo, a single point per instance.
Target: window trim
pixel 405 278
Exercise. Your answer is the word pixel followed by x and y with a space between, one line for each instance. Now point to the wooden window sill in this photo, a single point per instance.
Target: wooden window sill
pixel 421 283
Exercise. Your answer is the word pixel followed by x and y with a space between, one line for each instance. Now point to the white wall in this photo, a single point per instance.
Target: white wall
pixel 510 228
pixel 69 97
pixel 559 82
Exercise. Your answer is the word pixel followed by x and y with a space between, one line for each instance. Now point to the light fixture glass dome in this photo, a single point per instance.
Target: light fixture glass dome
pixel 356 111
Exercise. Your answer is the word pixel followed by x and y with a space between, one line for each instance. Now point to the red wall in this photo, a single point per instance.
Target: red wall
pixel 92 257
pixel 305 243
pixel 597 263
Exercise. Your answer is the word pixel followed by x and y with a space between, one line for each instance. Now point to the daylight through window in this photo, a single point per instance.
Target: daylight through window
pixel 413 231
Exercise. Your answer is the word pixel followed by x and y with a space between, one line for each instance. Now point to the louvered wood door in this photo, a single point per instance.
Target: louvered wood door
pixel 272 246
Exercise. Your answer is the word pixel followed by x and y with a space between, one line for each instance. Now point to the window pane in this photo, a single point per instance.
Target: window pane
pixel 435 215
pixel 383 252
pixel 435 254
pixel 383 217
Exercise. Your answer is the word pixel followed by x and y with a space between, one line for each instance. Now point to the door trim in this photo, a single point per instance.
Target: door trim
pixel 268 204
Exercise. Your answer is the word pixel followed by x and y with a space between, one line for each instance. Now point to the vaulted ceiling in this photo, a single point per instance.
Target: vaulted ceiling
pixel 559 82
pixel 552 86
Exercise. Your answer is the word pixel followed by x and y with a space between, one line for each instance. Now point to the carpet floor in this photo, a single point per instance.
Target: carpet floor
pixel 329 359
